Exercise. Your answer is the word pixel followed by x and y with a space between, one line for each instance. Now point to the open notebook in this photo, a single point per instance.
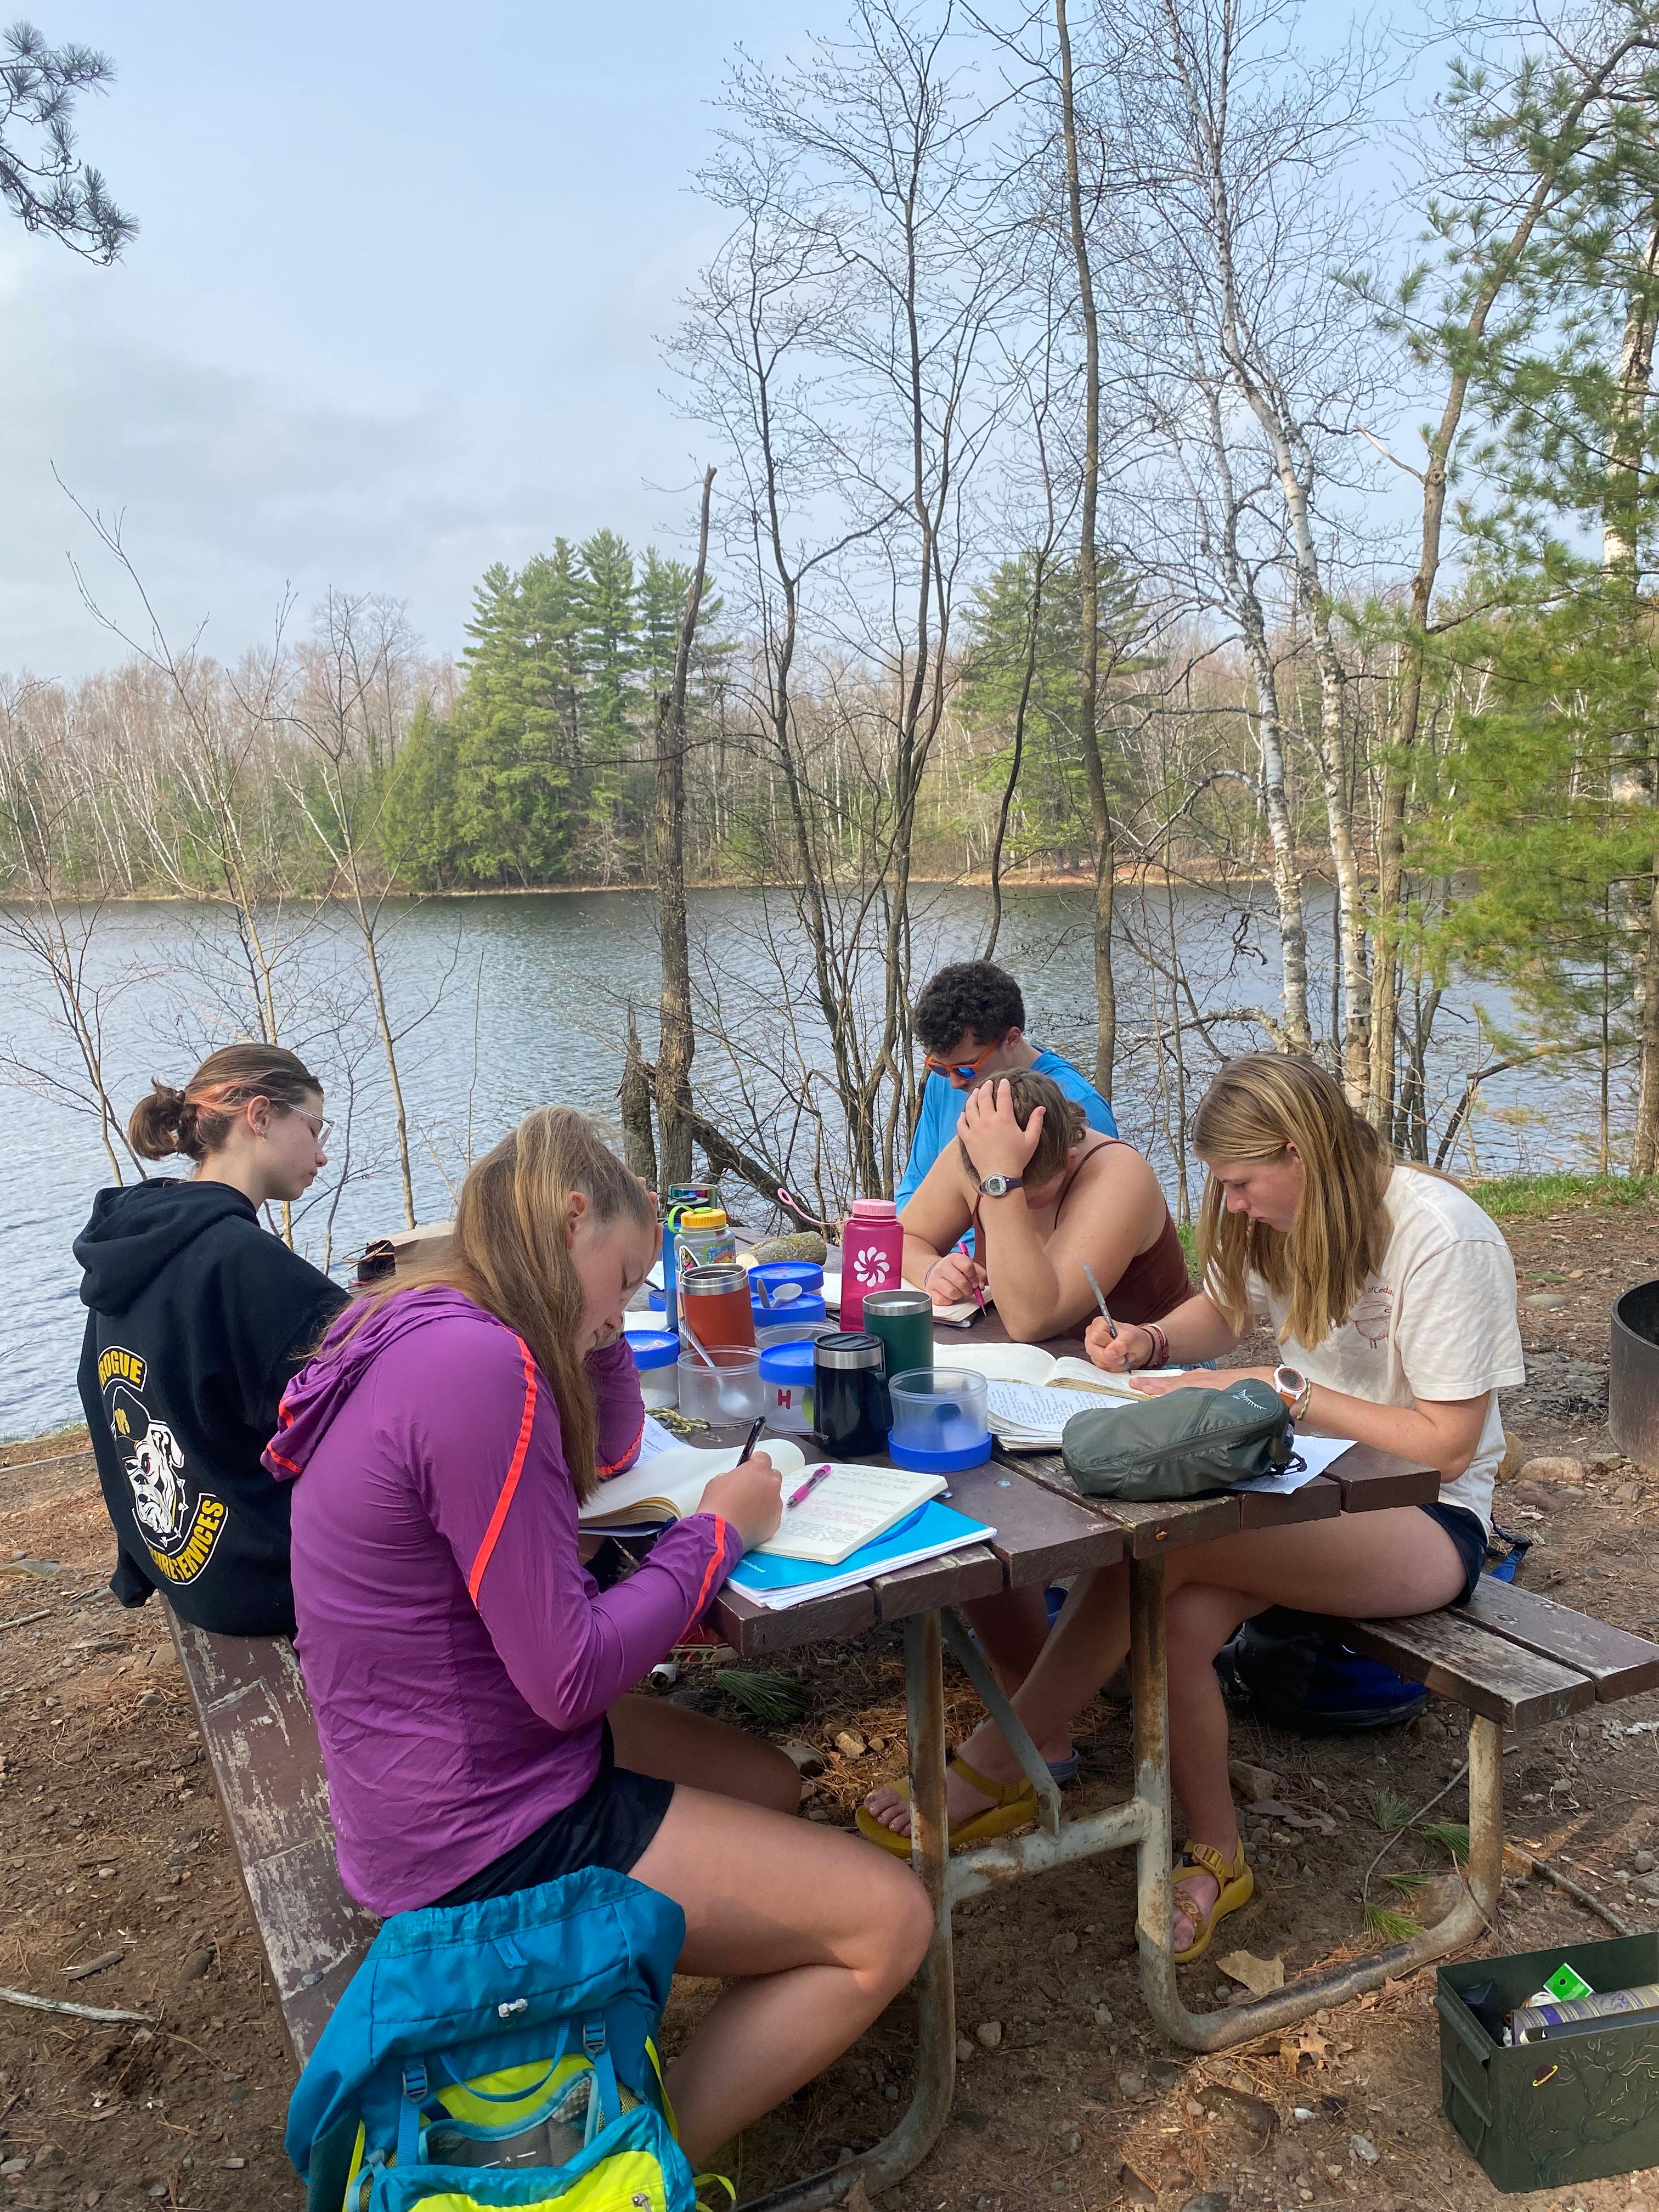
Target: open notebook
pixel 852 1506
pixel 666 1484
pixel 1030 1396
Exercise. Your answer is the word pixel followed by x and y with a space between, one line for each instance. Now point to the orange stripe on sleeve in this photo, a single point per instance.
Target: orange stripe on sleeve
pixel 713 1571
pixel 514 1472
pixel 628 1458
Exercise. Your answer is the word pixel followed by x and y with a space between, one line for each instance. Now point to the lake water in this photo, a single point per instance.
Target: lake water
pixel 509 1002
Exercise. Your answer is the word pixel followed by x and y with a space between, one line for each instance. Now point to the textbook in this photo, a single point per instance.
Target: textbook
pixel 1030 1396
pixel 666 1485
pixel 852 1506
pixel 929 1531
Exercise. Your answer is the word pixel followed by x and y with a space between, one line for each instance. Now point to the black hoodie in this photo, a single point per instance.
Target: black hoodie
pixel 198 1318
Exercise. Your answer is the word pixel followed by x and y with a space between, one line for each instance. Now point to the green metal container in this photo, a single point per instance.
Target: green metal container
pixel 1546 2115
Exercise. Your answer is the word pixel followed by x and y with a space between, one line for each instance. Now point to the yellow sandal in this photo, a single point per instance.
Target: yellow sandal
pixel 1013 1805
pixel 1238 1886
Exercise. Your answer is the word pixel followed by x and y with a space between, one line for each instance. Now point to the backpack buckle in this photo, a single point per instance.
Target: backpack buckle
pixel 416 2087
pixel 593 2036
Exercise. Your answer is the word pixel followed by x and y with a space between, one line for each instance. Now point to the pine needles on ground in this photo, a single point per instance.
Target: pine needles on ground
pixel 1389 1811
pixel 1398 1927
pixel 1406 1884
pixel 773 1699
pixel 1453 1837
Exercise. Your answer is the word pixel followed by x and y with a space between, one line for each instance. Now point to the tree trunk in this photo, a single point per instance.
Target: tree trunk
pixel 1089 587
pixel 677 1039
pixel 1287 882
pixel 633 1099
pixel 1631 780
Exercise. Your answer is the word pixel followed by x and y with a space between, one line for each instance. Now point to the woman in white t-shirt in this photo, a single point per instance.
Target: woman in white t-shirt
pixel 1392 1295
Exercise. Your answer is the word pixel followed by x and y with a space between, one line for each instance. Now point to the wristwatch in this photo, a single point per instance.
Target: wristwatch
pixel 1294 1387
pixel 999 1186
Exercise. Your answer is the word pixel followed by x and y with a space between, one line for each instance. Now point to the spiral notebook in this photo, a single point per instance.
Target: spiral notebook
pixel 926 1533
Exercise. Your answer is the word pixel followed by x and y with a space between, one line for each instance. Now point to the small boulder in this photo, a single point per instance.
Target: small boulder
pixel 1534 1494
pixel 988 2034
pixel 1553 1468
pixel 1644 1861
pixel 1364 2150
pixel 1254 1784
pixel 849 1743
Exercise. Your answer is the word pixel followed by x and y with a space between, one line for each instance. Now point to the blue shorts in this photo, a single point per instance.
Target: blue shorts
pixel 1466 1532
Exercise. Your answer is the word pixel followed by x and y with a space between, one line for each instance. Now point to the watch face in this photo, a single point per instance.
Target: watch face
pixel 998 1185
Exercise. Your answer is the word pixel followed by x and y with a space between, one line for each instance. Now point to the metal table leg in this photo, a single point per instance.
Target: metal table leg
pixel 929 2108
pixel 1329 1985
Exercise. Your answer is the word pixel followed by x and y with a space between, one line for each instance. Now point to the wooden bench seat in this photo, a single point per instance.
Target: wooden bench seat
pixel 1512 1657
pixel 261 1743
pixel 1509 1658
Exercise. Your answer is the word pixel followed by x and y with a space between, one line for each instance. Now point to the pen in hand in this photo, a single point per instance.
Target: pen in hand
pixel 752 1438
pixel 1100 1299
pixel 799 1497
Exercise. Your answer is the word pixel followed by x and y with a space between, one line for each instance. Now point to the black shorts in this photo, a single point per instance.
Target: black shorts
pixel 1466 1532
pixel 610 1824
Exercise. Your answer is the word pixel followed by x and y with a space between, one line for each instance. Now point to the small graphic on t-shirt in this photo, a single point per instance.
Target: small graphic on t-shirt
pixel 1373 1311
pixel 178 1530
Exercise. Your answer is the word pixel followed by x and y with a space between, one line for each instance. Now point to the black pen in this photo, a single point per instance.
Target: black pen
pixel 750 1441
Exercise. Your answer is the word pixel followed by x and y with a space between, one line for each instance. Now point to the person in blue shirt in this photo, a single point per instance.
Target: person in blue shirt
pixel 971 1022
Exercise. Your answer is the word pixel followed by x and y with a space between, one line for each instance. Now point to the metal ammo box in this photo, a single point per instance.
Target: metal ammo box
pixel 1545 2115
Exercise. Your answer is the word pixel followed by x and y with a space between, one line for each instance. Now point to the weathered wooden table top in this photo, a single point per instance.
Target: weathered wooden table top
pixel 1041 1536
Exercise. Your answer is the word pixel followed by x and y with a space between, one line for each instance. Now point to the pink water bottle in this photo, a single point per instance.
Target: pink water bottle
pixel 872 1255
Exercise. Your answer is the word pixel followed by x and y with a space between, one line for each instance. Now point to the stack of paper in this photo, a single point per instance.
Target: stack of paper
pixel 931 1531
pixel 1030 1416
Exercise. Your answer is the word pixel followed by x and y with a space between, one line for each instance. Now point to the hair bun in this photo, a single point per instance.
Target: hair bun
pixel 161 1123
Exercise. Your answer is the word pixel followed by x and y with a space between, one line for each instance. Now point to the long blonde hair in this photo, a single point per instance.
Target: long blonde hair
pixel 1256 1107
pixel 510 1253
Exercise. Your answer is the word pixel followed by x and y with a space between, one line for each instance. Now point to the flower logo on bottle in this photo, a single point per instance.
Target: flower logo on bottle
pixel 870 1267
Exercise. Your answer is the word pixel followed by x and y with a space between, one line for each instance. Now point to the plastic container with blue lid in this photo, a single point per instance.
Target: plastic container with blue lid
pixel 786 1372
pixel 939 1424
pixel 807 1306
pixel 656 1354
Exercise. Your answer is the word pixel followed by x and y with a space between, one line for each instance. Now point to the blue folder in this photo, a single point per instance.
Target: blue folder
pixel 932 1528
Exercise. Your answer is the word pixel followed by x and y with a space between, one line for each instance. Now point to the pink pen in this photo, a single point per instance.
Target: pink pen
pixel 807 1487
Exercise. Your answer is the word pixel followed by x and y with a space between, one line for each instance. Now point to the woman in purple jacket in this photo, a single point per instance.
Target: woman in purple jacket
pixel 468 1676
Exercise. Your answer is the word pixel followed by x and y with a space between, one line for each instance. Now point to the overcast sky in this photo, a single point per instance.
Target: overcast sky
pixel 393 312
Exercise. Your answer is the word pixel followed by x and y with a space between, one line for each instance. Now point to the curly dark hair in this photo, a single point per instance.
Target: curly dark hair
pixel 974 995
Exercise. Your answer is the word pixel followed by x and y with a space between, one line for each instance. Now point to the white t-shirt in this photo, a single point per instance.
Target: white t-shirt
pixel 1436 1321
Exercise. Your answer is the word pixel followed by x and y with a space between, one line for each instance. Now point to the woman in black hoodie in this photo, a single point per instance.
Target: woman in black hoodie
pixel 199 1315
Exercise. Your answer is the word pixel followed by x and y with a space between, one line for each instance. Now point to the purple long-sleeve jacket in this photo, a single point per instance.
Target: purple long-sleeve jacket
pixel 458 1658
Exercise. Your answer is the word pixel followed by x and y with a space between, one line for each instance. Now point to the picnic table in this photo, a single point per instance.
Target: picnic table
pixel 1041 1536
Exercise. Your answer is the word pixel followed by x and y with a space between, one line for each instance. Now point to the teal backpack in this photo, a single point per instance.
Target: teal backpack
pixel 500 2054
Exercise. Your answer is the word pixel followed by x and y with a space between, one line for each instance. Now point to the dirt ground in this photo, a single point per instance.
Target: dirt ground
pixel 113 1852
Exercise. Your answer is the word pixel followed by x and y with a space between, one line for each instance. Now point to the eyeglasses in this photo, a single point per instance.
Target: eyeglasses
pixel 966 1068
pixel 321 1130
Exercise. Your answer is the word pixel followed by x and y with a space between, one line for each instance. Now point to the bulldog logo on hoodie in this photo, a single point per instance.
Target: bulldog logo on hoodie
pixel 179 1536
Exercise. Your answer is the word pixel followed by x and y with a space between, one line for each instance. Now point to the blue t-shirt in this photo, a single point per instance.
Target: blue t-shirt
pixel 941 1109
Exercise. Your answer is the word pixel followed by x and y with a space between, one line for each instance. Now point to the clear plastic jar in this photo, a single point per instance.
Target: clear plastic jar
pixel 656 1353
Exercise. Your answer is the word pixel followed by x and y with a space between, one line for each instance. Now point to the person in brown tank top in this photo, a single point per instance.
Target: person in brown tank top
pixel 1045 1195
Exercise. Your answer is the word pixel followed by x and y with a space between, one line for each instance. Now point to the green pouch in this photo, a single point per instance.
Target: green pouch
pixel 1184 1444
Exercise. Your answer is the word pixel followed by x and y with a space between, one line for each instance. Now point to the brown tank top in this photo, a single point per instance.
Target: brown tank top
pixel 1154 1283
